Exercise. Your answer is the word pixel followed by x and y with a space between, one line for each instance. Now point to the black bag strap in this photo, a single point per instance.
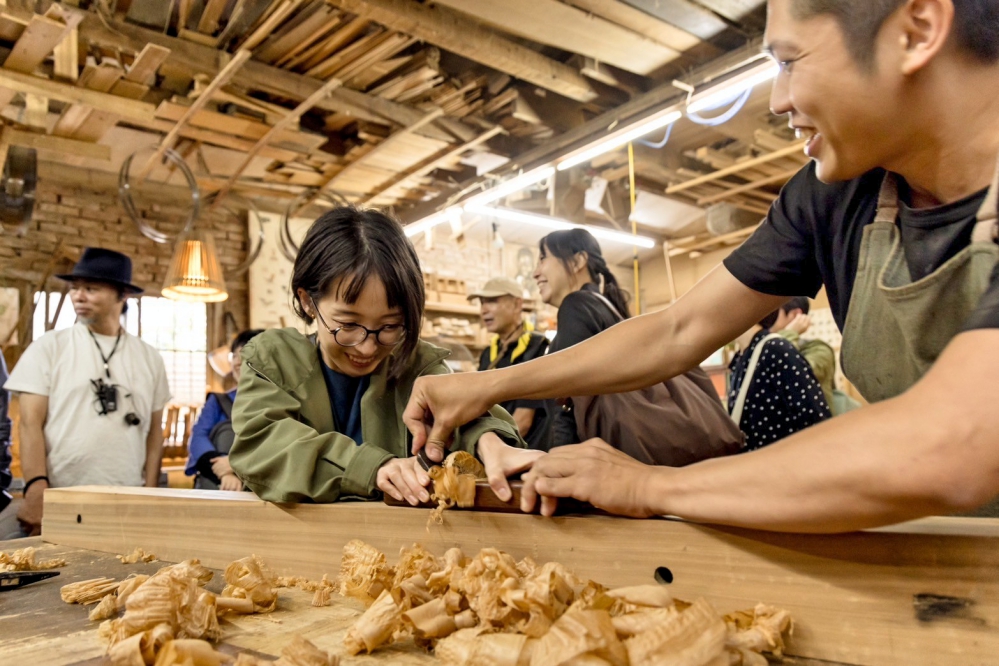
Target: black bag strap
pixel 225 402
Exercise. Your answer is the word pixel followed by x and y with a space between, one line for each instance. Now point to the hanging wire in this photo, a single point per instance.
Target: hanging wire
pixel 659 144
pixel 737 102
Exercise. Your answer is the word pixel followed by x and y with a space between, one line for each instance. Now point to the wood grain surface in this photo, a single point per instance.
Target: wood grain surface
pixel 857 598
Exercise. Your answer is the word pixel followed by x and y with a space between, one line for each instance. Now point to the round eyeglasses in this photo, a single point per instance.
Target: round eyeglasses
pixel 351 335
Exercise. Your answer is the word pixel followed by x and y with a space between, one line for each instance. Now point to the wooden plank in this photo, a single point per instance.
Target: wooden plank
pixel 684 14
pixel 55 144
pixel 578 31
pixel 75 117
pixel 66 57
pixel 244 127
pixel 35 44
pixel 345 55
pixel 852 596
pixel 333 19
pixel 454 32
pixel 36 111
pixel 782 177
pixel 98 123
pixel 285 122
pixel 220 80
pixel 343 35
pixel 317 16
pixel 423 168
pixel 143 69
pixel 127 108
pixel 736 168
pixel 640 22
pixel 267 27
pixel 199 38
pixel 209 21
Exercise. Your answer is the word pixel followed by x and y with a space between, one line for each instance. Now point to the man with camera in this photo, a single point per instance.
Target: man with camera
pixel 91 396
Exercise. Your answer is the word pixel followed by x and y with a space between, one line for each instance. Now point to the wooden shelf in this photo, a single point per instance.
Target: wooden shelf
pixel 449 308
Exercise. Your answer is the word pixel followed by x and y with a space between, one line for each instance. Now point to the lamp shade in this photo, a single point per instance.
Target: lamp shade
pixel 195 274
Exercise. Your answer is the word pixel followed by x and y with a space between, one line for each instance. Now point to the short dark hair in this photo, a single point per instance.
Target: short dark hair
pixel 243 337
pixel 564 245
pixel 769 320
pixel 352 245
pixel 796 303
pixel 976 24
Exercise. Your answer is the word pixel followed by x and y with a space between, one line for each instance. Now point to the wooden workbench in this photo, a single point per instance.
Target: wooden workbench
pixel 919 594
pixel 38 628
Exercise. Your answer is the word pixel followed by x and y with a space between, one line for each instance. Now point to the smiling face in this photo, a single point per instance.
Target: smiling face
pixel 555 282
pixel 853 116
pixel 371 310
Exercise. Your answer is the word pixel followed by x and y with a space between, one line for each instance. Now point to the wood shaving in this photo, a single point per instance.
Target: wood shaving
pixel 24 560
pixel 88 591
pixel 141 648
pixel 137 555
pixel 364 573
pixel 492 610
pixel 454 484
pixel 190 652
pixel 301 652
pixel 322 593
pixel 249 579
pixel 105 610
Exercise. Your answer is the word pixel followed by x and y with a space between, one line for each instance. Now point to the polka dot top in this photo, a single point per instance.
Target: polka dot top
pixel 784 396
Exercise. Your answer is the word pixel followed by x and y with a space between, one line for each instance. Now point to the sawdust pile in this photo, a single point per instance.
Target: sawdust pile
pixel 136 556
pixel 24 560
pixel 492 610
pixel 454 483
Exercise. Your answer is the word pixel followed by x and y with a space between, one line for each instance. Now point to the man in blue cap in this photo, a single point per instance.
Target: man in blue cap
pixel 92 395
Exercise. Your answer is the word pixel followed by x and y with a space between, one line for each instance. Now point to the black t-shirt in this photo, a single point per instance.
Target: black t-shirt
pixel 581 315
pixel 812 236
pixel 537 346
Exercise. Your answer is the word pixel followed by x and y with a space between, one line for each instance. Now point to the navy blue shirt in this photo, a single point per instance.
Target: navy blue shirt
pixel 345 400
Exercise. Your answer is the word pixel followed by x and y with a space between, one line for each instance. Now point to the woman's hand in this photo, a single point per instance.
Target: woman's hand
pixel 404 478
pixel 221 467
pixel 230 482
pixel 593 472
pixel 502 460
pixel 441 403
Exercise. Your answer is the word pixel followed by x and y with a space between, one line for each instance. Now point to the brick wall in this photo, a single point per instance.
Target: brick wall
pixel 88 214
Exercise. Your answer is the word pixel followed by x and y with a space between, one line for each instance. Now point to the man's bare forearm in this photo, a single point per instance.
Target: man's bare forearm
pixel 154 451
pixel 34 460
pixel 922 453
pixel 644 350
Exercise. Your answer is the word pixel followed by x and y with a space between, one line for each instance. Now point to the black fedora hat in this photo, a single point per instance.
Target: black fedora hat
pixel 103 265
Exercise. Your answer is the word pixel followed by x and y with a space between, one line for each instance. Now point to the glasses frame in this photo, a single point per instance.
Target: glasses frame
pixel 367 331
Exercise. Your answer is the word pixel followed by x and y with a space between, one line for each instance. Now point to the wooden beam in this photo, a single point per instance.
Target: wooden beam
pixel 209 21
pixel 578 31
pixel 193 58
pixel 281 125
pixel 66 57
pixel 852 596
pixel 143 69
pixel 220 80
pixel 746 187
pixel 736 168
pixel 644 24
pixel 56 144
pixel 382 147
pixel 39 38
pixel 431 163
pixel 450 30
pixel 29 84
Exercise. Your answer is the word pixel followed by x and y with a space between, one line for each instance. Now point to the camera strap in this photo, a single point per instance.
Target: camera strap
pixel 106 359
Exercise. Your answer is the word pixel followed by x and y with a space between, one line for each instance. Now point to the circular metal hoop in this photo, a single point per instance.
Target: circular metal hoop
pixel 248 205
pixel 287 245
pixel 125 195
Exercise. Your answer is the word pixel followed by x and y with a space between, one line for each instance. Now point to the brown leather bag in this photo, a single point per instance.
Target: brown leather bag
pixel 675 423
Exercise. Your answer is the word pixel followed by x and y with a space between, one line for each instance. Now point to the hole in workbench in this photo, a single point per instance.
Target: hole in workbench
pixel 663 575
pixel 79 518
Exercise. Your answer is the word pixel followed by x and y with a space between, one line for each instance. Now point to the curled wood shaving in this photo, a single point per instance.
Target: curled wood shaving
pixel 137 555
pixel 322 593
pixel 364 573
pixel 190 569
pixel 301 652
pixel 249 579
pixel 190 652
pixel 24 560
pixel 454 483
pixel 105 610
pixel 492 610
pixel 140 649
pixel 88 591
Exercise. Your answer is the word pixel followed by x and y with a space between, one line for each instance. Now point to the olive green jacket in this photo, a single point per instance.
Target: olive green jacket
pixel 287 448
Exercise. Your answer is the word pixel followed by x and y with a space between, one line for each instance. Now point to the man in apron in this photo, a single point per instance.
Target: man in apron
pixel 896 217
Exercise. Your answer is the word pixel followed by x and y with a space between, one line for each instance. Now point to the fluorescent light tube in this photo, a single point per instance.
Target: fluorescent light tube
pixel 511 186
pixel 620 138
pixel 714 95
pixel 431 221
pixel 555 224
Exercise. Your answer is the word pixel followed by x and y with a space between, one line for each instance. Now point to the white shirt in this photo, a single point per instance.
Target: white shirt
pixel 83 447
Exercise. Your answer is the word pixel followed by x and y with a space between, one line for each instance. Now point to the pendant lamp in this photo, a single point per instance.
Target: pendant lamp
pixel 194 273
